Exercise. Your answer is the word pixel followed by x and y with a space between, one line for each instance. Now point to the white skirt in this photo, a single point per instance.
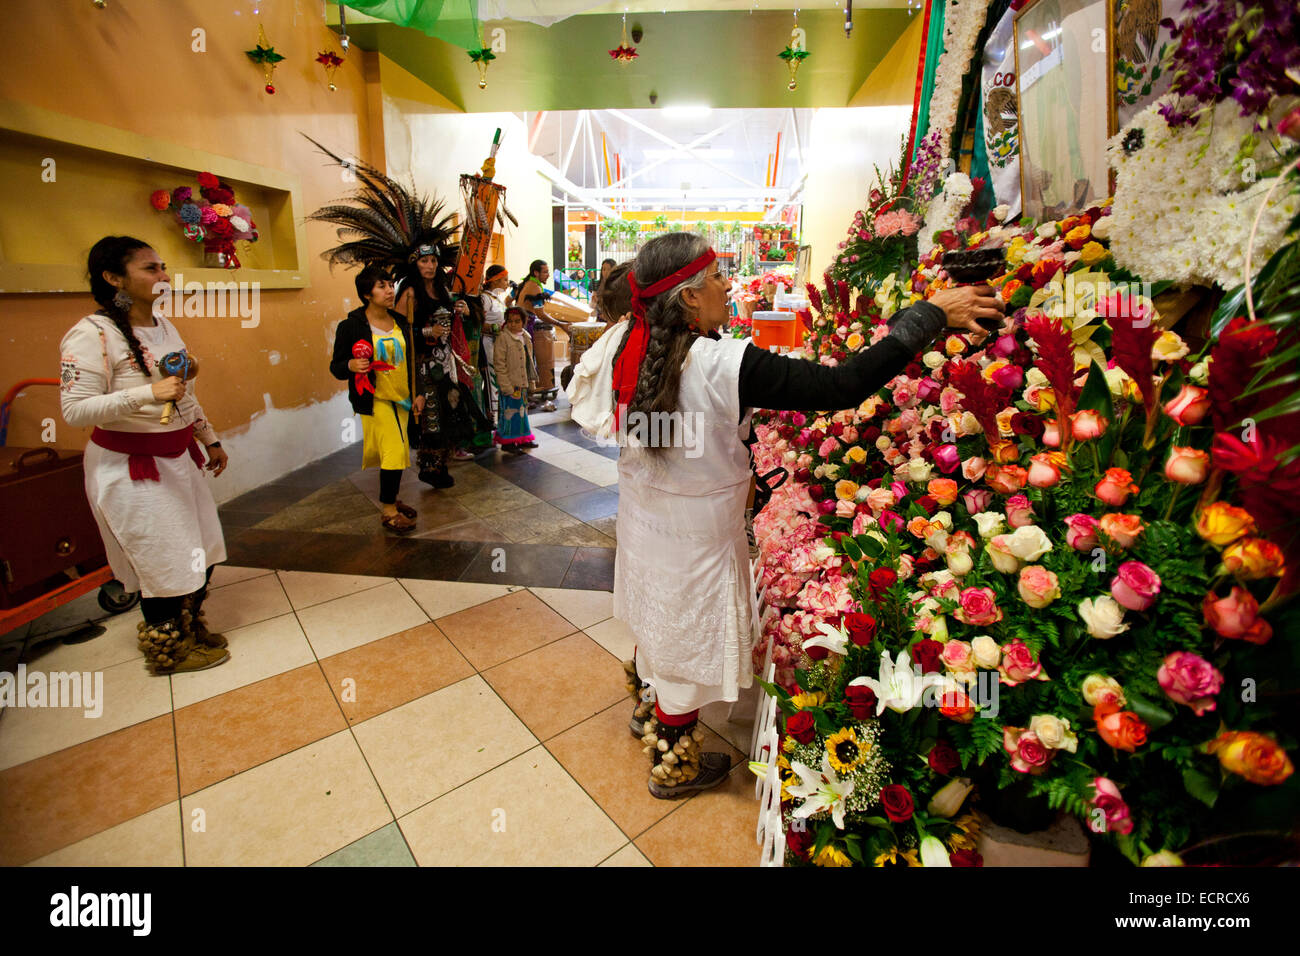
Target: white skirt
pixel 681 583
pixel 160 536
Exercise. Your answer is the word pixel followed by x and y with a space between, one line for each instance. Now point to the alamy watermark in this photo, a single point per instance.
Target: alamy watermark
pixel 210 300
pixel 658 430
pixel 83 689
pixel 1128 300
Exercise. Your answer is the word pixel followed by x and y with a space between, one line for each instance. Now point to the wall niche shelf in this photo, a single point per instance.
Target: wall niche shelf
pixel 66 182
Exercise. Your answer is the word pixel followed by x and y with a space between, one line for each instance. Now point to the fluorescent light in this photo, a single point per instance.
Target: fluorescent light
pixel 686 112
pixel 702 153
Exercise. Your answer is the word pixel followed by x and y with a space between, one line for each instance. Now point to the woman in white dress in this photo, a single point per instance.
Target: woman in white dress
pixel 144 479
pixel 683 397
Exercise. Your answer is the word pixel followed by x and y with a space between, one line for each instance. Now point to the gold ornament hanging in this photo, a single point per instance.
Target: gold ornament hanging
pixel 794 54
pixel 264 55
pixel 482 57
pixel 331 61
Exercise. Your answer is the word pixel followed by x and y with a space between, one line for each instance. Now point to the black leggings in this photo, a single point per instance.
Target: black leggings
pixel 160 610
pixel 389 481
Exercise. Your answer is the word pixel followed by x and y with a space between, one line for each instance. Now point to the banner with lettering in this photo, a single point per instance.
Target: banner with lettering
pixel 1001 115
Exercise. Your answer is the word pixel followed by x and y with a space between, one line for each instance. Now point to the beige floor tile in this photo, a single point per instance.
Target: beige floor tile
pixel 290 811
pixel 713 828
pixel 115 646
pixel 577 535
pixel 151 839
pixel 527 523
pixel 66 618
pixel 246 602
pixel 528 812
pixel 421 750
pixel 224 574
pixel 615 636
pixel 494 500
pixel 257 652
pixel 515 624
pixel 604 473
pixel 739 727
pixel 440 598
pixel 628 856
pixel 306 588
pixel 576 460
pixel 351 621
pixel 580 608
pixel 130 695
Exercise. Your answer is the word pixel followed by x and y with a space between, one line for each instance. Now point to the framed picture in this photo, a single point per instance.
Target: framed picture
pixel 1140 46
pixel 1064 100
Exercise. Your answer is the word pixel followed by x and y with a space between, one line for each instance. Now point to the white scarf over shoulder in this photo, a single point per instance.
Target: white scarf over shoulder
pixel 591 392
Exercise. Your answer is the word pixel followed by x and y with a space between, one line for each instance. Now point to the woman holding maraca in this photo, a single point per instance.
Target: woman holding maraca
pixel 144 469
pixel 372 352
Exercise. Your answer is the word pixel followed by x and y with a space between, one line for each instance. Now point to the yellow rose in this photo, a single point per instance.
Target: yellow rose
pixel 954 345
pixel 1222 523
pixel 1252 558
pixel 854 342
pixel 1169 348
pixel 856 455
pixel 1093 253
pixel 845 490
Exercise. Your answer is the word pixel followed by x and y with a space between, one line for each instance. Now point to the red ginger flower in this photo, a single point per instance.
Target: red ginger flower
pixel 814 297
pixel 1241 346
pixel 981 398
pixel 1133 333
pixel 1056 359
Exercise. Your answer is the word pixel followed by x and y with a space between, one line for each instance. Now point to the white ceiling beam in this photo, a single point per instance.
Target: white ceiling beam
pixel 591 143
pixel 577 131
pixel 636 124
pixel 680 152
pixel 798 142
pixel 567 186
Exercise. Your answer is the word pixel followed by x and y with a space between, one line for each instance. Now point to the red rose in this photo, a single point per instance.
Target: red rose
pixel 928 654
pixel 222 229
pixel 208 181
pixel 861 628
pixel 881 580
pixel 861 700
pixel 869 435
pixel 816 492
pixel 896 802
pixel 799 842
pixel 943 758
pixel 963 857
pixel 1031 425
pixel 817 653
pixel 801 727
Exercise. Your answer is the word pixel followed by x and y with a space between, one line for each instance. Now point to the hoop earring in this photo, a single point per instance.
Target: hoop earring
pixel 122 300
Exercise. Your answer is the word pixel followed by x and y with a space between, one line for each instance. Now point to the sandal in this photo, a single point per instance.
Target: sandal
pixel 397 524
pixel 406 511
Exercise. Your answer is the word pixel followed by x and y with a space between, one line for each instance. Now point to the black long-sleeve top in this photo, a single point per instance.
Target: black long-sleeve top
pixel 777 382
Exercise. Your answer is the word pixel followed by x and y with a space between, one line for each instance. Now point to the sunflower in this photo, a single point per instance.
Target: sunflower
pixel 845 751
pixel 813 699
pixel 830 855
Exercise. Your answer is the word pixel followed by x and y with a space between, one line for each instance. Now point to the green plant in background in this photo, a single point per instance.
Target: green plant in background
pixel 660 223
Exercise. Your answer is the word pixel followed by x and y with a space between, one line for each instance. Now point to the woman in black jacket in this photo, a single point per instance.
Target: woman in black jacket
pixel 381 390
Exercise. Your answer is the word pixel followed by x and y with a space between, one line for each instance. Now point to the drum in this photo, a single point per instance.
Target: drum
pixel 582 335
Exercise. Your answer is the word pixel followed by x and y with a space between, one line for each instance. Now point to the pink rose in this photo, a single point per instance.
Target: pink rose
pixel 978 607
pixel 1003 347
pixel 1189 406
pixel 1019 511
pixel 904 394
pixel 849 435
pixel 1135 586
pixel 1009 376
pixel 803 438
pixel 1190 679
pixel 1108 799
pixel 1018 665
pixel 1081 532
pixel 798 419
pixel 1087 424
pixel 1028 755
pixel 1038 586
pixel 928 390
pixel 973 469
pixel 1043 472
pixel 860 524
pixel 1187 466
pixel 845 509
pixel 890 521
pixel 827 505
pixel 950 399
pixel 829 446
pixel 1115 487
pixel 947 458
pixel 878 499
pixel 958 657
pixel 899 489
pixel 977 500
pixel 1051 435
pixel 804 461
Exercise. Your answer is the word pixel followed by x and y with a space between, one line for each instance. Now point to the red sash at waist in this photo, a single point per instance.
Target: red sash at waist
pixel 143 446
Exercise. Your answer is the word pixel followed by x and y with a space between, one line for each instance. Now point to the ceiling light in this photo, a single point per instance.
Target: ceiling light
pixel 686 112
pixel 693 154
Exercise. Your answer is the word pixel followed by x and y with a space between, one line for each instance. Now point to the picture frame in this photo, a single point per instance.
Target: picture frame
pixel 1140 43
pixel 1065 101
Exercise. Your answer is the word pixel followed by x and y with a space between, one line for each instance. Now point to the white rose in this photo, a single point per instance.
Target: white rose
pixel 1200 373
pixel 1103 616
pixel 1028 543
pixel 1000 554
pixel 820 471
pixel 790 456
pixel 986 651
pixel 1035 378
pixel 861 494
pixel 990 523
pixel 960 562
pixel 918 469
pixel 832 472
pixel 1000 212
pixel 1101 228
pixel 1169 348
pixel 884 443
pixel 1046 230
pixel 970 425
pixel 1115 379
pixel 1053 732
pixel 933 360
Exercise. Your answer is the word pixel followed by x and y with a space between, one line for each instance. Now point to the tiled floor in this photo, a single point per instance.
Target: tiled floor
pixel 389 702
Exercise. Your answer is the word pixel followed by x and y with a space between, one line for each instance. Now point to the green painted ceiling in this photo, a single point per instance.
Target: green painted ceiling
pixel 720 59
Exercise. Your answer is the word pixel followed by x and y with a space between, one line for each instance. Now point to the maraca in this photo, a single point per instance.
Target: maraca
pixel 363 350
pixel 182 365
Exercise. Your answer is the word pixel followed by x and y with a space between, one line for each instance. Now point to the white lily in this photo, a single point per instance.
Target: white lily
pixel 835 640
pixel 934 853
pixel 820 790
pixel 899 687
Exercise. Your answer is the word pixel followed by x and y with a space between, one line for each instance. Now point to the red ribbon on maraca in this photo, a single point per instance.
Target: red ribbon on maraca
pixel 363 350
pixel 180 365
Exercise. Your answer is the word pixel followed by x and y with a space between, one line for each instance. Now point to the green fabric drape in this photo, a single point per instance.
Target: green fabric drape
pixel 933 50
pixel 455 21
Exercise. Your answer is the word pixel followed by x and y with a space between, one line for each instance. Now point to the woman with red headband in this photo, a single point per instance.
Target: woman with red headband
pixel 681 403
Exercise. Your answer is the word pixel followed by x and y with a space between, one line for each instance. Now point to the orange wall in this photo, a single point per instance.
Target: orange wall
pixel 131 66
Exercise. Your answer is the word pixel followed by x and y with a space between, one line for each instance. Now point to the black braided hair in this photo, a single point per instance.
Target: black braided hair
pixel 111 254
pixel 671 336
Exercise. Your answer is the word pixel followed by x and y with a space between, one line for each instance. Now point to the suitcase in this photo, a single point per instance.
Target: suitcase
pixel 47 527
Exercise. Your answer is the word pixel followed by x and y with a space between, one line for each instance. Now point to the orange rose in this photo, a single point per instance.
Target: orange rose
pixel 1251 558
pixel 1077 236
pixel 1222 523
pixel 1010 288
pixel 1122 729
pixel 1006 479
pixel 919 527
pixel 943 490
pixel 845 490
pixel 955 705
pixel 1004 452
pixel 1251 755
pixel 1115 487
pixel 1122 529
